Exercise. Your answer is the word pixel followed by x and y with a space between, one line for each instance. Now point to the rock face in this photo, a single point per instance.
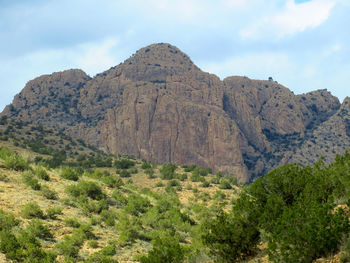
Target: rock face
pixel 159 106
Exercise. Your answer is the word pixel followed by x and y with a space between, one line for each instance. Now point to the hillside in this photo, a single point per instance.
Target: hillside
pixel 159 106
pixel 84 212
pixel 105 208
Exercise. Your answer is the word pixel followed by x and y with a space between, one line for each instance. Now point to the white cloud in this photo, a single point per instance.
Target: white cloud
pixel 292 19
pixel 96 57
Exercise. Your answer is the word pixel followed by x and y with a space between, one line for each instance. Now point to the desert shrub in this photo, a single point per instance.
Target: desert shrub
pixel 229 238
pixel 129 229
pixel 108 250
pixel 41 173
pixel 52 212
pixel 32 210
pixel 93 243
pixel 173 183
pixel 189 168
pixel 205 184
pixel 165 249
pixel 93 206
pixel 215 180
pixel 113 181
pixel 72 222
pixel 124 164
pixel 5 152
pixel 29 180
pixel 137 204
pixel 167 171
pixel 196 177
pixel 84 231
pixel 24 248
pixel 87 189
pixel 219 195
pixel 108 217
pixel 146 165
pixel 10 246
pixel 133 170
pixel 7 220
pixel 39 230
pixel 224 184
pixel 232 179
pixel 159 184
pixel 314 231
pixel 124 173
pixel 69 246
pixel 182 177
pixel 48 193
pixel 15 162
pixel 150 173
pixel 100 258
pixel 70 174
pixel 201 171
pixel 119 199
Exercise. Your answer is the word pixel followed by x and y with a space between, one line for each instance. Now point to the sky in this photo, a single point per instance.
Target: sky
pixel 302 44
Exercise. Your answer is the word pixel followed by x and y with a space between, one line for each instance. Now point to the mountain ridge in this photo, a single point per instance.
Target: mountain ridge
pixel 159 106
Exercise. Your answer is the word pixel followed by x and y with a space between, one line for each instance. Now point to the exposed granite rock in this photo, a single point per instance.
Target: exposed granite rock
pixel 159 106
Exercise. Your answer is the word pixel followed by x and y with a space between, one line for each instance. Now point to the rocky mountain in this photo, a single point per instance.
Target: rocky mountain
pixel 158 105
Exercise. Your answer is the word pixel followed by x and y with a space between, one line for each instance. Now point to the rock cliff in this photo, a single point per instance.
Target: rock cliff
pixel 158 105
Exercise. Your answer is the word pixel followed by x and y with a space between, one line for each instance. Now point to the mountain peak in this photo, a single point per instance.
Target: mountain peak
pixel 163 53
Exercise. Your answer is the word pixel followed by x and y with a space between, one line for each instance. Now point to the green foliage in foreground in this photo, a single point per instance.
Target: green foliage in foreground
pixel 294 209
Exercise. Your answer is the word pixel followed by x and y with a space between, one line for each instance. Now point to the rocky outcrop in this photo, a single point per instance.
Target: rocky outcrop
pixel 159 106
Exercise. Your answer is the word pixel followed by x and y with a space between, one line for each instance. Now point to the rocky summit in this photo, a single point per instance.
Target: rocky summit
pixel 159 106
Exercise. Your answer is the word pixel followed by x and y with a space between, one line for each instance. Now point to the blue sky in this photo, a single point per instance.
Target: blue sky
pixel 304 45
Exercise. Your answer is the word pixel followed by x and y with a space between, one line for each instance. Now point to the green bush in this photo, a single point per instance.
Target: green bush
pixel 32 210
pixel 205 184
pixel 69 246
pixel 196 177
pixel 72 222
pixel 165 249
pixel 224 184
pixel 15 162
pixel 29 180
pixel 182 177
pixel 93 243
pixel 100 258
pixel 108 217
pixel 5 152
pixel 108 250
pixel 112 181
pixel 173 183
pixel 119 199
pixel 53 212
pixel 86 189
pixel 137 204
pixel 189 168
pixel 24 248
pixel 159 184
pixel 124 173
pixel 168 171
pixel 48 193
pixel 70 174
pixel 124 164
pixel 41 173
pixel 39 230
pixel 10 246
pixel 7 220
pixel 230 239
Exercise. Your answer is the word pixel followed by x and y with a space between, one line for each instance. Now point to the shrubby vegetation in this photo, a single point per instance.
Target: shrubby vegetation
pixel 298 213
